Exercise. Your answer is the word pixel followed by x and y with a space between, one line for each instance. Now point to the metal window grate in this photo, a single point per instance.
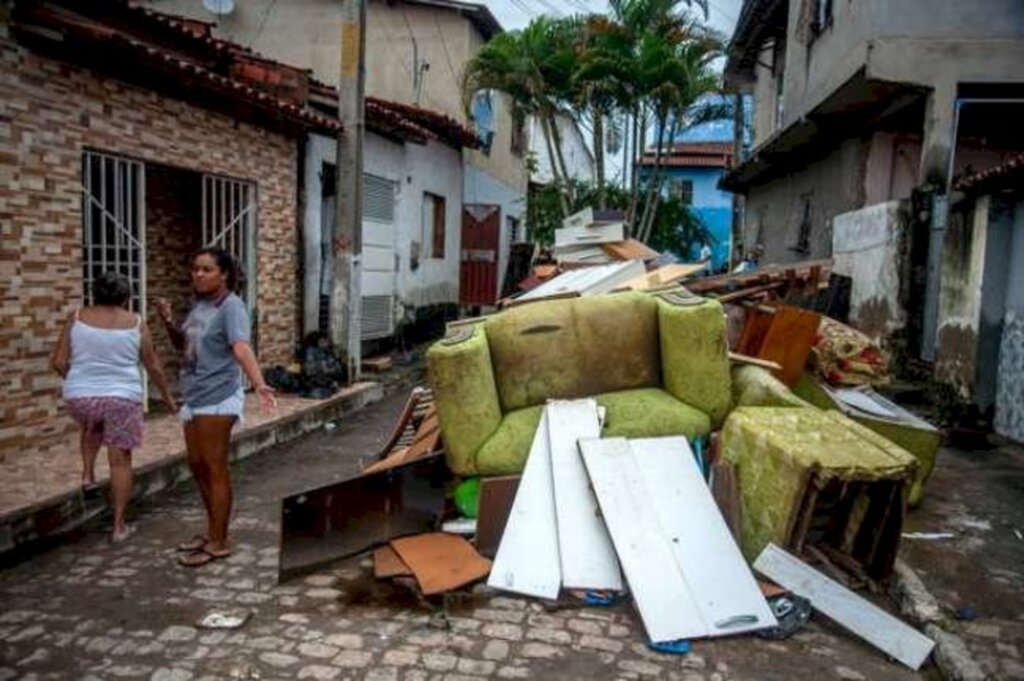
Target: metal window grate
pixel 114 222
pixel 378 316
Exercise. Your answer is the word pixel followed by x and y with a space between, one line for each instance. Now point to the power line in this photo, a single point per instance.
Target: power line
pixel 447 54
pixel 263 22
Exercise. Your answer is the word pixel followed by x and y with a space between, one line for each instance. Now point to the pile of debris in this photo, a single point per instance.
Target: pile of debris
pixel 801 482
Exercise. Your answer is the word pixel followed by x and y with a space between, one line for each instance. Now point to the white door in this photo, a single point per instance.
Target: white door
pixel 378 294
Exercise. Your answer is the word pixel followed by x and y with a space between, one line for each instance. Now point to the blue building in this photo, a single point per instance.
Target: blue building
pixel 698 158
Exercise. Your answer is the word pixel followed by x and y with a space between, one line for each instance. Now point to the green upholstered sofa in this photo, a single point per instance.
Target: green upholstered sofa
pixel 658 363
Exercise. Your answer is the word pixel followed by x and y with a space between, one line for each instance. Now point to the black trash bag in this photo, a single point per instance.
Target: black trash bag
pixel 282 380
pixel 792 613
pixel 322 373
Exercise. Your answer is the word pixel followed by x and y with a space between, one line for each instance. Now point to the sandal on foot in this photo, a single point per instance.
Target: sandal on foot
pixel 201 558
pixel 194 544
pixel 118 537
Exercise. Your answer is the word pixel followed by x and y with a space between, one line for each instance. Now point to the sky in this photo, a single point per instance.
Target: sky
pixel 512 14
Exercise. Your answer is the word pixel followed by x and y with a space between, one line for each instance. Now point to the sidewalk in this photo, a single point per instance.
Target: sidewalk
pixel 41 498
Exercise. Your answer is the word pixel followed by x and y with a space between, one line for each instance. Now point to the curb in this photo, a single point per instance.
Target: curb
pixel 25 531
pixel 917 604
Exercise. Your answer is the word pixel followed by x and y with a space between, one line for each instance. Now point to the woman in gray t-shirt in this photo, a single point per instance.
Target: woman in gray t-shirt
pixel 215 346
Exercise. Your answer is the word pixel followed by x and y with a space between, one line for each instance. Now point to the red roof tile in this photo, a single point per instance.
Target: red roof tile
pixel 985 177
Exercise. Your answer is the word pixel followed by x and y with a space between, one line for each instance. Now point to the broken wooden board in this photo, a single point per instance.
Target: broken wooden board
pixel 721 584
pixel 386 563
pixel 378 364
pixel 584 547
pixel 874 625
pixel 789 340
pixel 441 561
pixel 425 441
pixel 658 587
pixel 349 517
pixel 527 558
pixel 496 498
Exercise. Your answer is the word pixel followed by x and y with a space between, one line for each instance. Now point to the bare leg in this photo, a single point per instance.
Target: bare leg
pixel 212 437
pixel 120 487
pixel 196 461
pixel 89 445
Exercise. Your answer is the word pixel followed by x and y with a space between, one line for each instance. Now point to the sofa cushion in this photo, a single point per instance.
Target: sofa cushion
pixel 650 412
pixel 574 348
pixel 644 412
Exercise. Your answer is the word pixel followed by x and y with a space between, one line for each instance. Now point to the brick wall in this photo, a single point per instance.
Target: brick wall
pixel 50 112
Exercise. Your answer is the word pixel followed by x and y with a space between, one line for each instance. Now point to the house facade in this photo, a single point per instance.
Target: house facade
pixel 110 161
pixel 417 51
pixel 693 167
pixel 862 103
pixel 579 159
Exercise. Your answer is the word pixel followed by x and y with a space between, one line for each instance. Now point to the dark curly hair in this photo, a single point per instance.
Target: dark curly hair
pixel 111 288
pixel 227 263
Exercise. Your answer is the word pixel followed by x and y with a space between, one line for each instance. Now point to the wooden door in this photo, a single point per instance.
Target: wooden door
pixel 478 266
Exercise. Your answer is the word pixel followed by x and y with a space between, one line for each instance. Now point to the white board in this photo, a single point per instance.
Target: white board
pixel 657 585
pixel 871 623
pixel 587 558
pixel 721 584
pixel 527 558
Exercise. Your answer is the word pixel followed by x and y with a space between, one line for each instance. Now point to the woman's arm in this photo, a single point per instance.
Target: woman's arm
pixel 163 310
pixel 60 360
pixel 246 358
pixel 155 368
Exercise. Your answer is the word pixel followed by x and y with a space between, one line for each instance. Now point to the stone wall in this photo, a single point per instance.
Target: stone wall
pixel 50 112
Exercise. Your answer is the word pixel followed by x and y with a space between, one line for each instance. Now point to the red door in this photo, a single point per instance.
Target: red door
pixel 478 269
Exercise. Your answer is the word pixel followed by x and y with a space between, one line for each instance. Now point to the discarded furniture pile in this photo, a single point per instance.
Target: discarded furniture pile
pixel 661 448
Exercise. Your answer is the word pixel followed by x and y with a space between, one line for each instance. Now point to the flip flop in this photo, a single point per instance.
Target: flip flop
pixel 117 538
pixel 194 544
pixel 200 558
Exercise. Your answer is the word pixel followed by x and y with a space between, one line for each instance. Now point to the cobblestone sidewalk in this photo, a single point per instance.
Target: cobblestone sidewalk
pixel 89 610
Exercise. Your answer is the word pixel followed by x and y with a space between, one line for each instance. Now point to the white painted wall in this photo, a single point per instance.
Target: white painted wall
pixel 481 187
pixel 578 157
pixel 865 247
pixel 435 168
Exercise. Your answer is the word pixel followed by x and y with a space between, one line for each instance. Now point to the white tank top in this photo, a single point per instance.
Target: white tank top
pixel 104 362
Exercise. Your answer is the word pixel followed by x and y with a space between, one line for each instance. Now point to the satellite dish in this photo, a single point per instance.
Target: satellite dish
pixel 219 7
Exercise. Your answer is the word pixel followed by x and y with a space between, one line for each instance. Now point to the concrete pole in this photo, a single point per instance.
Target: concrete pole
pixel 346 308
pixel 736 245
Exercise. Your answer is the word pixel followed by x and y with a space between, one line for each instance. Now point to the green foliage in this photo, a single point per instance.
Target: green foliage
pixel 676 228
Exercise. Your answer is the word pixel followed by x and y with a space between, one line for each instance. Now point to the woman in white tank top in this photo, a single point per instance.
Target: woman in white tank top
pixel 98 357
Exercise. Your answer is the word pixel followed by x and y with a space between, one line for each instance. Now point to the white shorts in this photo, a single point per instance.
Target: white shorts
pixel 232 406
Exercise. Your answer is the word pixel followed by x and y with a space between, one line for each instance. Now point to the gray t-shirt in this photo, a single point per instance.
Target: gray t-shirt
pixel 209 372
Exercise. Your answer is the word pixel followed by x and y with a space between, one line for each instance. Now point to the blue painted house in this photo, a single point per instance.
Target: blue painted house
pixel 698 158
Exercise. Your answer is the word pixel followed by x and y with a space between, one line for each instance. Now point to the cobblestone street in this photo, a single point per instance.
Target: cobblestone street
pixel 89 610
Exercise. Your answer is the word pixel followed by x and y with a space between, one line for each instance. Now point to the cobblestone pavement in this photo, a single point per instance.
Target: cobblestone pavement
pixel 89 610
pixel 977 497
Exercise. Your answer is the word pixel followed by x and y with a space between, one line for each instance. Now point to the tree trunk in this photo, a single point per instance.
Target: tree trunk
pixel 639 119
pixel 602 198
pixel 659 179
pixel 563 203
pixel 556 137
pixel 653 176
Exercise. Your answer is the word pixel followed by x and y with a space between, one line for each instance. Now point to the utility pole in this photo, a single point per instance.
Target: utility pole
pixel 346 307
pixel 738 122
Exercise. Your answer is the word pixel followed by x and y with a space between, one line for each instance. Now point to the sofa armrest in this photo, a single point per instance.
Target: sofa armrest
pixel 756 387
pixel 695 354
pixel 465 394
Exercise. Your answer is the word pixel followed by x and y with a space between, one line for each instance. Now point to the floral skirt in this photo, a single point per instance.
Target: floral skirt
pixel 109 421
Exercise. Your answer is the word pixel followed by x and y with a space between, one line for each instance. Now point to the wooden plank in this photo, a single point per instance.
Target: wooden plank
pixel 496 498
pixel 789 341
pixel 721 584
pixel 584 547
pixel 378 364
pixel 725 488
pixel 441 561
pixel 658 587
pixel 754 361
pixel 527 557
pixel 874 625
pixel 386 563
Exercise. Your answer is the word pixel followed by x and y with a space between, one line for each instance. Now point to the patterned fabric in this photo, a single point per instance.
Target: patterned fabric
pixel 845 356
pixel 753 386
pixel 109 421
pixel 775 451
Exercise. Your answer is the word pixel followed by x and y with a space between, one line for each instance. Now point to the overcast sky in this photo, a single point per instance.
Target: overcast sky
pixel 516 13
